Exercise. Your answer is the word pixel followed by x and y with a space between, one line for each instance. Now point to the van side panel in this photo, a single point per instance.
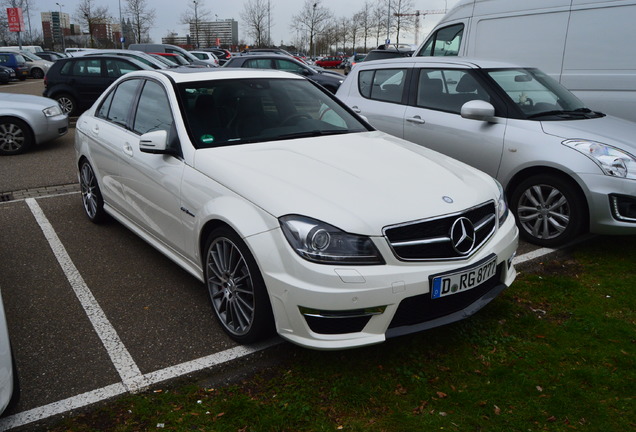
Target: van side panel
pixel 599 65
pixel 527 40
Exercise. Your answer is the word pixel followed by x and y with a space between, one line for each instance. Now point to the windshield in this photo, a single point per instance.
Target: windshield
pixel 539 96
pixel 226 112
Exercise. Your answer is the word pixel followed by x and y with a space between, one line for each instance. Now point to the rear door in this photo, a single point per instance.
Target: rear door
pixel 89 79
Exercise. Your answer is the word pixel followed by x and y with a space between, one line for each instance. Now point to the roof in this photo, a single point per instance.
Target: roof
pixel 184 75
pixel 467 62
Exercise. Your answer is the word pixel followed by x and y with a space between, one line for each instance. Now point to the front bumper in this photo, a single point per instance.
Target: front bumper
pixel 55 127
pixel 335 307
pixel 611 203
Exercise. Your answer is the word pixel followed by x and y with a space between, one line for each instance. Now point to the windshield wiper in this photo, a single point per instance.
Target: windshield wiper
pixel 577 112
pixel 311 133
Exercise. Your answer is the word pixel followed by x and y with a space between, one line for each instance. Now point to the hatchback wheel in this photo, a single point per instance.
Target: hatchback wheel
pixel 15 137
pixel 91 195
pixel 236 287
pixel 67 102
pixel 550 211
pixel 37 73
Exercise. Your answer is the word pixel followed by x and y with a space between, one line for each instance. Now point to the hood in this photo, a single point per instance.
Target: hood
pixel 22 99
pixel 358 182
pixel 608 130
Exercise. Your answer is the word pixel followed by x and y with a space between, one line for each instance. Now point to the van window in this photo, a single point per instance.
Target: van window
pixel 383 84
pixel 448 89
pixel 444 42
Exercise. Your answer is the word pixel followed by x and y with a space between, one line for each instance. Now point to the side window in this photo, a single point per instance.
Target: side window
pixel 4 58
pixel 88 68
pixel 444 42
pixel 448 89
pixel 258 64
pixel 120 101
pixel 383 84
pixel 116 68
pixel 153 112
pixel 289 66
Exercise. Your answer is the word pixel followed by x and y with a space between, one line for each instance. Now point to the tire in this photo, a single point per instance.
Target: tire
pixel 549 210
pixel 68 103
pixel 37 73
pixel 236 288
pixel 91 195
pixel 15 136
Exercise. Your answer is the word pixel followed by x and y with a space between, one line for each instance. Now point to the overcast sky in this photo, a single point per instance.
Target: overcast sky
pixel 169 12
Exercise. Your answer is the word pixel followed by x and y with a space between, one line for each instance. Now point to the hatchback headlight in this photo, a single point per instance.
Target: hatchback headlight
pixel 502 204
pixel 52 111
pixel 322 243
pixel 612 161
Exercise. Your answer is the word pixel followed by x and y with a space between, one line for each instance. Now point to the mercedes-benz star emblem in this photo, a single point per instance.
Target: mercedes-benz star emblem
pixel 462 236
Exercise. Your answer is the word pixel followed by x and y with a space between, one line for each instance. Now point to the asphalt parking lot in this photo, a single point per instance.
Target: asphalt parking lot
pixel 93 311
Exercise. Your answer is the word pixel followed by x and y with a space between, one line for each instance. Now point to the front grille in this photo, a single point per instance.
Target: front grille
pixel 430 239
pixel 422 308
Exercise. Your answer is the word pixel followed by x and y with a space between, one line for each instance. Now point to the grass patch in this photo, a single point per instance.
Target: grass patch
pixel 555 352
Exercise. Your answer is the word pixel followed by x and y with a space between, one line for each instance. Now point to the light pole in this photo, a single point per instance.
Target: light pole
pixel 61 29
pixel 121 28
pixel 313 22
pixel 196 24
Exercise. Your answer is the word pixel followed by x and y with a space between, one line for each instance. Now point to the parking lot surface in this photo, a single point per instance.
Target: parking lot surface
pixel 93 311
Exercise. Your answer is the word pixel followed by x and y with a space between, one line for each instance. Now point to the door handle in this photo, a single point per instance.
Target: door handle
pixel 417 120
pixel 95 130
pixel 356 109
pixel 128 150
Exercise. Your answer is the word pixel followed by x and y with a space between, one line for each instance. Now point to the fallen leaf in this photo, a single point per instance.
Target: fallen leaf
pixel 497 410
pixel 441 395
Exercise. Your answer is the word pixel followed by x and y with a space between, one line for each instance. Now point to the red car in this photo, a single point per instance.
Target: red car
pixel 329 62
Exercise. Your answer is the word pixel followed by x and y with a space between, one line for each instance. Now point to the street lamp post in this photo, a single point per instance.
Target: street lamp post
pixel 196 24
pixel 61 29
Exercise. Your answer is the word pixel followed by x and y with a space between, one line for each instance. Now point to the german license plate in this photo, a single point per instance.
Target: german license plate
pixel 463 280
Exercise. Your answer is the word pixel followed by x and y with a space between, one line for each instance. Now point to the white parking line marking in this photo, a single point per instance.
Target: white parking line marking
pixel 152 378
pixel 130 374
pixel 104 393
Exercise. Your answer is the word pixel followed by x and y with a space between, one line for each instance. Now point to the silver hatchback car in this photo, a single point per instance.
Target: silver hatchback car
pixel 565 168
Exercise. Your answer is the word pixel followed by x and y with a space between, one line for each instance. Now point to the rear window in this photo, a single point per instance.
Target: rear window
pixel 382 54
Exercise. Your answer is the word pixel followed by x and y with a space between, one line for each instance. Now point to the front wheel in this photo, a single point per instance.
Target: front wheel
pixel 15 137
pixel 236 288
pixel 550 211
pixel 68 104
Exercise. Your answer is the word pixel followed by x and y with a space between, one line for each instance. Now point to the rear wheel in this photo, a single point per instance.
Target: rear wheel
pixel 15 136
pixel 550 210
pixel 236 288
pixel 91 195
pixel 37 73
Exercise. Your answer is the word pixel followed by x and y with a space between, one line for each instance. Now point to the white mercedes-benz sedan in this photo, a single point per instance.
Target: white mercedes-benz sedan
pixel 295 213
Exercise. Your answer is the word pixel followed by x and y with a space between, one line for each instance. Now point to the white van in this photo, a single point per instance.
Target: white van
pixel 587 45
pixel 31 48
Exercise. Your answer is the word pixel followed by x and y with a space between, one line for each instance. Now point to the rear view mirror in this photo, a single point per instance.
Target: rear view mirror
pixel 478 110
pixel 523 78
pixel 154 142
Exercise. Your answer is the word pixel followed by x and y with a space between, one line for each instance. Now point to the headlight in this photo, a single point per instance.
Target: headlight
pixel 52 111
pixel 502 204
pixel 612 161
pixel 325 244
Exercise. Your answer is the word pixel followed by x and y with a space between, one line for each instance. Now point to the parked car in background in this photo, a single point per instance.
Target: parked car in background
pixel 384 52
pixel 8 376
pixel 329 62
pixel 16 62
pixel 169 49
pixel 566 168
pixel 6 74
pixel 50 56
pixel 140 56
pixel 222 54
pixel 176 59
pixel 27 120
pixel 206 55
pixel 37 67
pixel 350 62
pixel 390 238
pixel 329 80
pixel 76 82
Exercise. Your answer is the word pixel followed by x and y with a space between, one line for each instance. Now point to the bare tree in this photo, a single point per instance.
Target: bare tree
pixel 89 15
pixel 194 16
pixel 366 22
pixel 404 13
pixel 257 17
pixel 313 18
pixel 379 18
pixel 142 18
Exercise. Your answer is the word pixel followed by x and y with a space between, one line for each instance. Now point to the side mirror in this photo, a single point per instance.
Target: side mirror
pixel 478 110
pixel 154 142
